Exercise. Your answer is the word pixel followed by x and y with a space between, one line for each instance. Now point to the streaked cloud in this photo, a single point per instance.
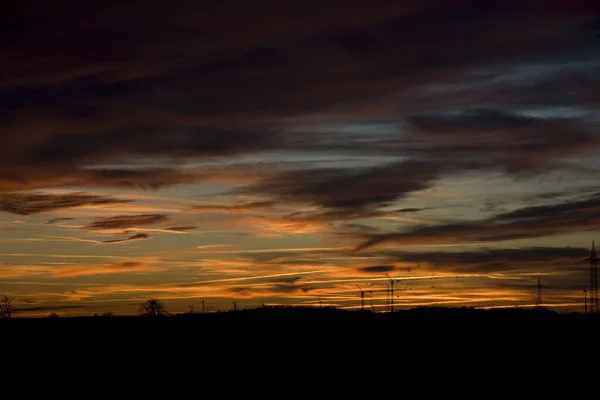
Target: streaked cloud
pixel 237 208
pixel 378 268
pixel 127 221
pixel 33 203
pixel 67 271
pixel 527 222
pixel 137 236
pixel 181 228
pixel 57 220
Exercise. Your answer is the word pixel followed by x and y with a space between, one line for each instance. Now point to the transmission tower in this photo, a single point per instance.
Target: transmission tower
pixel 362 298
pixel 391 293
pixel 538 301
pixel 594 302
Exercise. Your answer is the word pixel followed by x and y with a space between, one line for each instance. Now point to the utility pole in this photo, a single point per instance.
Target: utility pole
pixel 191 308
pixel 234 305
pixel 202 306
pixel 585 301
pixel 320 302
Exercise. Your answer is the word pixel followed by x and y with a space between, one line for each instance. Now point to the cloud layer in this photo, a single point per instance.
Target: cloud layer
pixel 113 91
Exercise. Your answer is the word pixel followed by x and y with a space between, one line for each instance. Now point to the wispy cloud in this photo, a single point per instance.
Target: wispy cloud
pixel 377 268
pixel 137 236
pixel 127 221
pixel 181 228
pixel 527 222
pixel 33 203
pixel 57 220
pixel 236 208
pixel 67 271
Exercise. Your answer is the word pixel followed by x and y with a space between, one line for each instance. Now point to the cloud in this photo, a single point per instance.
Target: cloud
pixel 568 260
pixel 33 203
pixel 527 222
pixel 184 84
pixel 350 188
pixel 377 268
pixel 137 236
pixel 270 290
pixel 181 228
pixel 409 210
pixel 127 221
pixel 68 271
pixel 57 220
pixel 488 138
pixel 237 208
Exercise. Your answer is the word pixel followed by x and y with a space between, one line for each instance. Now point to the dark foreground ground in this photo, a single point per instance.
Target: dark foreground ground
pixel 427 340
pixel 279 323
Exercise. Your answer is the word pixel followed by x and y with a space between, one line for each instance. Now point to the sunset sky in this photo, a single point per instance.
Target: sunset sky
pixel 284 152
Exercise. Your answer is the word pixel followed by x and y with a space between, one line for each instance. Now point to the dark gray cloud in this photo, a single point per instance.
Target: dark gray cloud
pixel 440 145
pixel 527 222
pixel 92 86
pixel 57 220
pixel 244 207
pixel 127 221
pixel 277 288
pixel 487 260
pixel 33 203
pixel 377 268
pixel 488 138
pixel 288 280
pixel 350 188
pixel 181 228
pixel 409 210
pixel 137 236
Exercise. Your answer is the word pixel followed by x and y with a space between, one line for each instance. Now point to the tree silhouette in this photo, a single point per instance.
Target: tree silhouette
pixel 153 308
pixel 6 307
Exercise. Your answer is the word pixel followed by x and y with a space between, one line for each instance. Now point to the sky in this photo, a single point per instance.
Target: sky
pixel 229 153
